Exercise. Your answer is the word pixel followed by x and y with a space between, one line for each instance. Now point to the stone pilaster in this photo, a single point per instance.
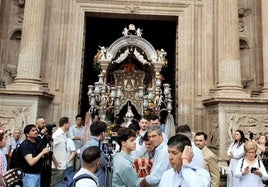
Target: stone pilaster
pixel 229 75
pixel 25 99
pixel 28 71
pixel 264 13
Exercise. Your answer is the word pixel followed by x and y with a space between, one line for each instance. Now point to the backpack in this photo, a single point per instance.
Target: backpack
pixel 15 159
pixel 69 181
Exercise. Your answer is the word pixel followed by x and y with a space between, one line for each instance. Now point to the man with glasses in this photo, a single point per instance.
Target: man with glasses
pixel 160 161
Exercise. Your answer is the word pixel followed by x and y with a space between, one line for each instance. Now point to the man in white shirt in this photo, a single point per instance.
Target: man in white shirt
pixel 198 159
pixel 182 173
pixel 59 159
pixel 91 161
pixel 140 145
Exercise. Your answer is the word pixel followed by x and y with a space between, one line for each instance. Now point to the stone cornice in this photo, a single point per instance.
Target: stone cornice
pixel 171 8
pixel 218 100
pixel 42 94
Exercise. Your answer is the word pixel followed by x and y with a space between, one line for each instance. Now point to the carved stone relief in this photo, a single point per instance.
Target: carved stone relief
pixel 19 18
pixel 213 129
pixel 133 9
pixel 15 34
pixel 256 123
pixel 14 116
pixel 241 26
pixel 10 72
pixel 244 12
pixel 19 3
pixel 243 43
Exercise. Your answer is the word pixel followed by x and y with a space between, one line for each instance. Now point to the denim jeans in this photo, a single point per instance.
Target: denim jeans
pixel 69 170
pixel 31 180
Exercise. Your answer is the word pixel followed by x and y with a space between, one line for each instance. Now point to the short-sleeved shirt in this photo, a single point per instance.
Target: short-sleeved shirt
pixel 27 147
pixel 124 174
pixel 86 181
pixel 60 148
pixel 70 149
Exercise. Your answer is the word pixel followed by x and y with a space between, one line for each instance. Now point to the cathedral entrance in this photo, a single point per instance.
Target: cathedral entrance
pixel 102 32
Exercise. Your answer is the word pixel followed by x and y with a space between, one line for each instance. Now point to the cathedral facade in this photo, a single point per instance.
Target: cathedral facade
pixel 220 60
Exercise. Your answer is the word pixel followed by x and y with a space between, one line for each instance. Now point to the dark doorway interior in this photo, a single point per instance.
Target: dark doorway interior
pixel 103 31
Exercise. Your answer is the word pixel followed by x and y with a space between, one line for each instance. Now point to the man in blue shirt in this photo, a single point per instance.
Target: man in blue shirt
pixel 160 161
pixel 97 130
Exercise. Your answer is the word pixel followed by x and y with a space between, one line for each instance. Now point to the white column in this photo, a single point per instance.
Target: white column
pixel 229 80
pixel 264 17
pixel 28 72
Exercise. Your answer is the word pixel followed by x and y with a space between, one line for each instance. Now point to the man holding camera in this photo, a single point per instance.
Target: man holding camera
pixel 44 139
pixel 42 132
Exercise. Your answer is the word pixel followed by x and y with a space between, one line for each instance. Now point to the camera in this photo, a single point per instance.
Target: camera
pixel 110 145
pixel 253 169
pixel 50 127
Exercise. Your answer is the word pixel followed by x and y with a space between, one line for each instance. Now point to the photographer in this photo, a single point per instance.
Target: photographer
pixel 42 132
pixel 250 170
pixel 44 139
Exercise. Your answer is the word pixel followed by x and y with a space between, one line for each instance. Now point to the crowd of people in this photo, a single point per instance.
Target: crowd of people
pixel 140 154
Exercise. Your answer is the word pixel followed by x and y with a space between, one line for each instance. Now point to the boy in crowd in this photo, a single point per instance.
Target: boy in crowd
pixel 124 174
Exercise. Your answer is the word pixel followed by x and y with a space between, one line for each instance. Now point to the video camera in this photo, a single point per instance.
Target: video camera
pixel 110 145
pixel 50 127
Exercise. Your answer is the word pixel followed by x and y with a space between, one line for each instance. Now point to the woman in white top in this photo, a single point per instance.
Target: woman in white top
pixel 249 169
pixel 235 152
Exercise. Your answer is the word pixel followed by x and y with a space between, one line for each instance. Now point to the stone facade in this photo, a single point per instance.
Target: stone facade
pixel 221 60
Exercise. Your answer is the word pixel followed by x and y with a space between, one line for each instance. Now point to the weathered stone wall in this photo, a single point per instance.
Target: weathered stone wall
pixel 221 67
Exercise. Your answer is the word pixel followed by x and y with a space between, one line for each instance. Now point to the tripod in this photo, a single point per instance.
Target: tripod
pixel 109 171
pixel 47 161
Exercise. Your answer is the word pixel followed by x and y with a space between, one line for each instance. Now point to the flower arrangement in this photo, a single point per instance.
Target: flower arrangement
pixel 109 128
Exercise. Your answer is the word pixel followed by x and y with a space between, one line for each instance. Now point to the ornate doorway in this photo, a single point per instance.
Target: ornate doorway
pixel 128 70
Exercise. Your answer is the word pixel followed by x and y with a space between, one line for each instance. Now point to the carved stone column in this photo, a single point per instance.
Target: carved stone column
pixel 229 80
pixel 25 99
pixel 28 72
pixel 264 13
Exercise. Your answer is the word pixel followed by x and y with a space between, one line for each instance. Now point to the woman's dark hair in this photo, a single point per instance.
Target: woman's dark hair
pixel 242 140
pixel 2 135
